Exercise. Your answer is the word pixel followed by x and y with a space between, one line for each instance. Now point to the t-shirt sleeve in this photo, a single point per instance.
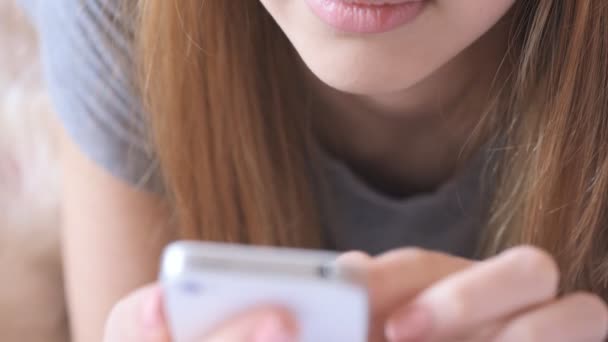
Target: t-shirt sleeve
pixel 87 53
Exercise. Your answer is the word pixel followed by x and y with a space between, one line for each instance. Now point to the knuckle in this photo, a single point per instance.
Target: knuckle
pixel 383 268
pixel 413 253
pixel 408 255
pixel 589 300
pixel 355 254
pixel 535 263
pixel 353 258
pixel 458 301
pixel 594 305
pixel 536 259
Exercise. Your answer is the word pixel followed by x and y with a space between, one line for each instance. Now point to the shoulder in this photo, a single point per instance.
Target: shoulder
pixel 88 56
pixel 111 20
pixel 43 10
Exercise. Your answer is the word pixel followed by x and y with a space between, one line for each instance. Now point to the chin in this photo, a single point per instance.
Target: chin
pixel 360 78
pixel 357 83
pixel 367 65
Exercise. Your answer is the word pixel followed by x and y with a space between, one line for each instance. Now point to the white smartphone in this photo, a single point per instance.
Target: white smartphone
pixel 207 283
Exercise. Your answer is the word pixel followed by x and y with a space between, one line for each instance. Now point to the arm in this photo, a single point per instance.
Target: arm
pixel 112 238
pixel 112 232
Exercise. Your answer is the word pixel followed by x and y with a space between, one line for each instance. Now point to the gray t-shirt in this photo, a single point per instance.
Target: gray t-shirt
pixel 87 55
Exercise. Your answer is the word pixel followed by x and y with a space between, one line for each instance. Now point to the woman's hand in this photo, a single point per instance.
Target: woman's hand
pixel 139 318
pixel 418 295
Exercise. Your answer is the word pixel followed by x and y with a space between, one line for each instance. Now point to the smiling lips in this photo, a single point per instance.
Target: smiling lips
pixel 367 16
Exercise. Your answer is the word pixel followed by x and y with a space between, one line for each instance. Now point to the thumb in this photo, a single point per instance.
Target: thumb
pixel 258 325
pixel 138 318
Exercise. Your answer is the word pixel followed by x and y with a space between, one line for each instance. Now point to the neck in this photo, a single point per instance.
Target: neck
pixel 412 140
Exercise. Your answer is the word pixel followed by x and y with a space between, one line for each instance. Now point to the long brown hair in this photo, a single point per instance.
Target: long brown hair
pixel 222 83
pixel 554 177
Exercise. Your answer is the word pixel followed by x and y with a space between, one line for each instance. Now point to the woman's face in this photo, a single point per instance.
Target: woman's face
pixel 372 47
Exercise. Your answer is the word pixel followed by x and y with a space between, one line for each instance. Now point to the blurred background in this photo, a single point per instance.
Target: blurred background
pixel 31 293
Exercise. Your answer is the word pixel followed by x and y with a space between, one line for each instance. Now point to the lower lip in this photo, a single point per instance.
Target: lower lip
pixel 366 18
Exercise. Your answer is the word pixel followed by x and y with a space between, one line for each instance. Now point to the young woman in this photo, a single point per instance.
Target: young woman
pixel 462 127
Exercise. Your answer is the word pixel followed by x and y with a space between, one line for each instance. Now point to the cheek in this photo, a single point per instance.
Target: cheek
pixel 473 16
pixel 389 62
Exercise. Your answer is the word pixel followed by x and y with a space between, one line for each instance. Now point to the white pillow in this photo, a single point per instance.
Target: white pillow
pixel 32 306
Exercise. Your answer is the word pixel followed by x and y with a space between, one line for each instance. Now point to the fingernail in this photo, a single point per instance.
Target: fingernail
pixel 413 324
pixel 273 329
pixel 152 309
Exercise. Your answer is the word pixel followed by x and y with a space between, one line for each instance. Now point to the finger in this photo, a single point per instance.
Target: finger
pixel 399 275
pixel 258 325
pixel 353 259
pixel 353 265
pixel 578 317
pixel 497 288
pixel 138 318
